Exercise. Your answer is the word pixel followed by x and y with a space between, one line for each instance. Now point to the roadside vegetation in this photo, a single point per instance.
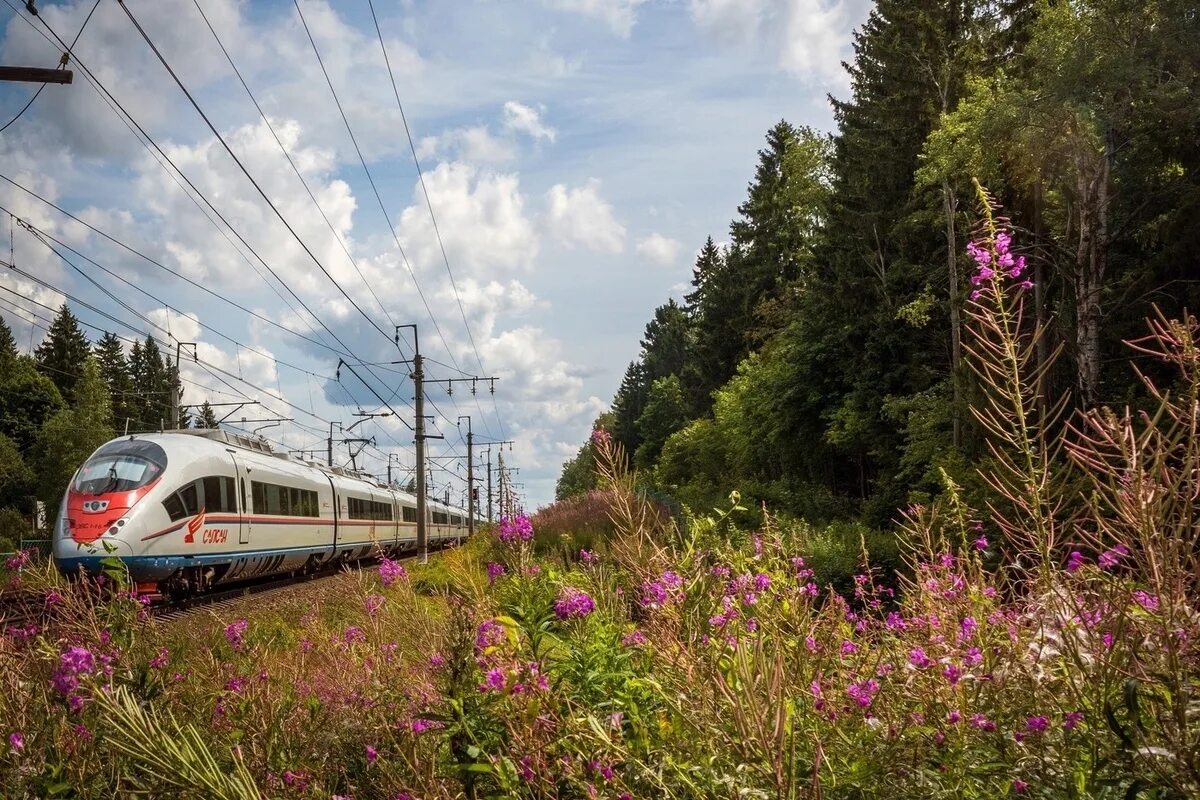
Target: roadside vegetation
pixel 1045 646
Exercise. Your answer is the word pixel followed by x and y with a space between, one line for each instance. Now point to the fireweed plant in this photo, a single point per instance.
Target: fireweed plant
pixel 1042 646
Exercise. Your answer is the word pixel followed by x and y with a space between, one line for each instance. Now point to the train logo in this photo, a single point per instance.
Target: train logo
pixel 194 524
pixel 95 506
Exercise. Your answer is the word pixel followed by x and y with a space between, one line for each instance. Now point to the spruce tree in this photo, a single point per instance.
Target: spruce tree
pixel 62 353
pixel 627 406
pixel 206 418
pixel 114 367
pixel 8 345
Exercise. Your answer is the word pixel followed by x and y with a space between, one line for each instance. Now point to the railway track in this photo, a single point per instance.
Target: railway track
pixel 24 607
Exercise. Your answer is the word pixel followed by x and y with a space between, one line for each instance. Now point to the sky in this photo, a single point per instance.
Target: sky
pixel 575 154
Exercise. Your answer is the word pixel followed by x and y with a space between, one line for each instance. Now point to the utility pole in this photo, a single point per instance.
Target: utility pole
pixel 177 391
pixel 419 437
pixel 329 444
pixel 470 476
pixel 489 462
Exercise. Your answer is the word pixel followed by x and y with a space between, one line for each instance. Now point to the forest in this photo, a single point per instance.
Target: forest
pixel 817 364
pixel 65 400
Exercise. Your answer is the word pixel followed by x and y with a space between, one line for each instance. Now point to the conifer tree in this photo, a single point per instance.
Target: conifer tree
pixel 8 345
pixel 61 354
pixel 206 418
pixel 110 356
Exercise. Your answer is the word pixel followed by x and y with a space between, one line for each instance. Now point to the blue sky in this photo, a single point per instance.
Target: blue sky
pixel 577 153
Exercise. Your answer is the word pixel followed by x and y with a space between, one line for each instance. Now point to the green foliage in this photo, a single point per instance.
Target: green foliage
pixel 71 435
pixel 663 414
pixel 61 354
pixel 27 400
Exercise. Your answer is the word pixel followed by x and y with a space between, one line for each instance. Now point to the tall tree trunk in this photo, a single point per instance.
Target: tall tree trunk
pixel 1090 263
pixel 1039 295
pixel 949 207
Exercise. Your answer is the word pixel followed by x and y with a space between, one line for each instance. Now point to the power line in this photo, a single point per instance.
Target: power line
pixel 61 64
pixel 292 163
pixel 433 217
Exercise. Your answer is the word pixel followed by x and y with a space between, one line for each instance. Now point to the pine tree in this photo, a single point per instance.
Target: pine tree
pixel 664 343
pixel 627 406
pixel 8 345
pixel 715 345
pixel 664 413
pixel 206 418
pixel 110 356
pixel 61 354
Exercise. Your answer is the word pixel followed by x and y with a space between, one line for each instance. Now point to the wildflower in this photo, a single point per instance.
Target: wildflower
pixel 982 723
pixel 601 437
pixel 671 580
pixel 77 660
pixel 372 603
pixel 236 684
pixel 437 661
pixel 981 543
pixel 634 638
pixel 525 769
pixel 1037 724
pixel 895 622
pixel 616 719
pixel 160 660
pixel 719 571
pixel 918 659
pixel 75 703
pixel 1019 785
pixel 1146 600
pixel 352 634
pixel 952 674
pixel 235 634
pixel 515 530
pixel 849 648
pixel 391 571
pixel 372 754
pixel 419 726
pixel 864 692
pixel 1072 719
pixel 762 582
pixel 954 716
pixel 16 740
pixel 810 643
pixel 1075 560
pixel 573 603
pixel 1107 639
pixel 494 681
pixel 587 557
pixel 489 634
pixel 973 656
pixel 1110 558
pixel 18 560
pixel 53 598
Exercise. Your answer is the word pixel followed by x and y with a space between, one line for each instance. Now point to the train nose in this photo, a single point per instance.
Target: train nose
pixel 72 556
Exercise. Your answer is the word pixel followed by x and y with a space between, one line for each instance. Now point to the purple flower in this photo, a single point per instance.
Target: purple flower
pixel 918 659
pixel 515 530
pixel 372 754
pixel 864 692
pixel 391 571
pixel 494 571
pixel 1019 785
pixel 981 543
pixel 160 660
pixel 895 622
pixel 77 660
pixel 1110 558
pixel 982 723
pixel 973 656
pixel 494 681
pixel 236 684
pixel 489 634
pixel 419 726
pixel 952 674
pixel 16 740
pixel 587 557
pixel 954 716
pixel 1146 600
pixel 1037 724
pixel 634 639
pixel 573 603
pixel 762 582
pixel 849 648
pixel 601 437
pixel 1075 560
pixel 235 634
pixel 372 603
pixel 1072 719
pixel 352 634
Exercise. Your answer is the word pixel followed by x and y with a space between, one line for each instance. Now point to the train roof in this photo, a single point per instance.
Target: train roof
pixel 258 444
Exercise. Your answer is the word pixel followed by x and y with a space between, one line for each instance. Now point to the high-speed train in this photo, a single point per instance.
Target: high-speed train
pixel 187 510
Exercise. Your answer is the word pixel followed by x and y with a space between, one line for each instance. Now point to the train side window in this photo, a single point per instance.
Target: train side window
pixel 260 496
pixel 218 494
pixel 174 507
pixel 191 499
pixel 410 514
pixel 245 506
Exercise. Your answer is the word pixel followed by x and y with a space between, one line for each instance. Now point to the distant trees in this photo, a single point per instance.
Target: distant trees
pixel 823 368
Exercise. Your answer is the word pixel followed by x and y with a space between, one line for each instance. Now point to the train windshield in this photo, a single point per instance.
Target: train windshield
pixel 121 466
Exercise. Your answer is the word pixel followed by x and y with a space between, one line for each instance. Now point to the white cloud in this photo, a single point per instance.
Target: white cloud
pixel 731 20
pixel 521 118
pixel 659 250
pixel 620 15
pixel 581 217
pixel 473 144
pixel 481 216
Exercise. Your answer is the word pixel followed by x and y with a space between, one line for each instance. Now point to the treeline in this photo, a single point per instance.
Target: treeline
pixel 817 363
pixel 65 400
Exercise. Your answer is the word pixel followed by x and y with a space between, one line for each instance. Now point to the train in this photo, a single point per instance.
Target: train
pixel 189 510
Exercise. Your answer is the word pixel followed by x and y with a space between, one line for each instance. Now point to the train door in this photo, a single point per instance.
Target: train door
pixel 243 492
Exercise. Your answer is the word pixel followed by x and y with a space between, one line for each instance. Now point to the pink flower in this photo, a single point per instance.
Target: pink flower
pixel 1075 560
pixel 391 571
pixel 372 754
pixel 981 543
pixel 918 659
pixel 419 726
pixel 235 634
pixel 1072 719
pixel 515 530
pixel 1019 786
pixel 573 603
pixel 494 571
pixel 1110 558
pixel 489 634
pixel 372 603
pixel 1037 724
pixel 587 557
pixel 601 437
pixel 1146 600
pixel 849 648
pixel 634 639
pixel 16 740
pixel 494 681
pixel 982 723
pixel 864 692
pixel 160 660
